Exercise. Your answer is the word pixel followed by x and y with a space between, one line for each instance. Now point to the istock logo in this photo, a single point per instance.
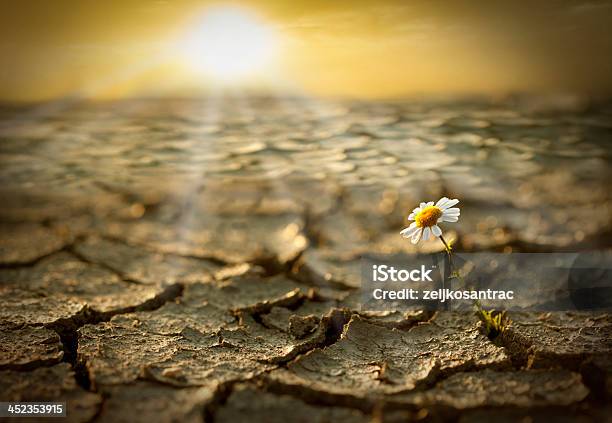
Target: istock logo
pixel 384 273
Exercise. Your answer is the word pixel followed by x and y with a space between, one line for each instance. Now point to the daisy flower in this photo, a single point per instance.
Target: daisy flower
pixel 427 216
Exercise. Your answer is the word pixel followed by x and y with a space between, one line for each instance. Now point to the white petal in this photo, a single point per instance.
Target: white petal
pixel 431 203
pixel 411 216
pixel 451 214
pixel 453 210
pixel 435 229
pixel 441 202
pixel 416 236
pixel 449 203
pixel 449 218
pixel 416 210
pixel 423 205
pixel 409 231
pixel 426 232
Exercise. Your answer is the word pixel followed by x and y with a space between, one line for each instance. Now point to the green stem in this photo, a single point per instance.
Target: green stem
pixel 448 248
pixel 449 252
pixel 451 269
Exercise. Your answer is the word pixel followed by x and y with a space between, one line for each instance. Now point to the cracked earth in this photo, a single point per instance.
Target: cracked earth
pixel 162 262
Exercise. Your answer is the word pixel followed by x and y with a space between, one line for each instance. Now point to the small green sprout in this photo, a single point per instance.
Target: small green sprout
pixel 495 322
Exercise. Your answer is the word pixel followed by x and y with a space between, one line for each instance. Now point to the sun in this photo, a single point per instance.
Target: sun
pixel 229 43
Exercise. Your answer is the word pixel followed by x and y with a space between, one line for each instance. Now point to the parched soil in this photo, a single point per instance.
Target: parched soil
pixel 160 262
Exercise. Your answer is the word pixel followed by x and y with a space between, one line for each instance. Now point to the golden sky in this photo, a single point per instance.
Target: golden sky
pixel 363 49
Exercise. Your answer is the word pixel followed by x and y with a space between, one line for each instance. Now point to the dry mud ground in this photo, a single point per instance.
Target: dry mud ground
pixel 198 260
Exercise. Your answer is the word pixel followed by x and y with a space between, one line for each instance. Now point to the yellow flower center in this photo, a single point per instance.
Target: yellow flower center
pixel 428 217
